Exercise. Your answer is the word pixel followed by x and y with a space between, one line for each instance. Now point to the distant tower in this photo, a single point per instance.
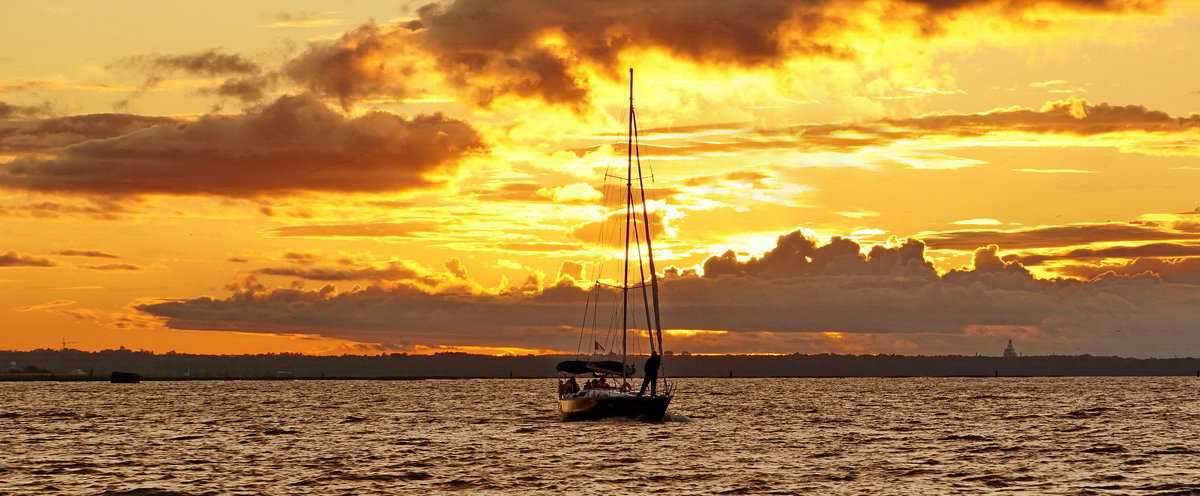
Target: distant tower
pixel 1009 352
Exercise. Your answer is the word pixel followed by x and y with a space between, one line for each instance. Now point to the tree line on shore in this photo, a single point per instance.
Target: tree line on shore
pixel 83 364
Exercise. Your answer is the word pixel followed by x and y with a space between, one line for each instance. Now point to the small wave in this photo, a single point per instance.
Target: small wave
pixel 1172 489
pixel 276 432
pixel 964 437
pixel 152 491
pixel 675 417
pixel 466 484
pixel 1174 450
pixel 1106 448
pixel 1089 412
pixel 989 480
pixel 59 415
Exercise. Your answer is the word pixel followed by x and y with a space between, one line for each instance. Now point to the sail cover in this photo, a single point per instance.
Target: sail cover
pixel 582 367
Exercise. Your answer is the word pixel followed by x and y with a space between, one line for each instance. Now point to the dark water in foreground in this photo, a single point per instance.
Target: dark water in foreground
pixel 746 436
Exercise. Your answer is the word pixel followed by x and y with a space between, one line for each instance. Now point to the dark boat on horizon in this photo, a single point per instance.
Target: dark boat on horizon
pixel 125 378
pixel 597 398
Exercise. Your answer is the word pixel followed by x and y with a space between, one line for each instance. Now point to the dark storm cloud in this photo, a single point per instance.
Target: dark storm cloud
pixel 489 49
pixel 14 259
pixel 23 136
pixel 1056 236
pixel 295 144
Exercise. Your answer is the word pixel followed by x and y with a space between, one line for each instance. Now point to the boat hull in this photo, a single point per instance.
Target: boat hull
pixel 640 408
pixel 125 378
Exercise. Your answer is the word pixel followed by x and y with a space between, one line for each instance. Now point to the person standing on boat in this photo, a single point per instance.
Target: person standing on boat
pixel 651 378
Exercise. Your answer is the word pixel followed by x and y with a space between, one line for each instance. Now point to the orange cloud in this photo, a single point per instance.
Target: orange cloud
pixel 392 271
pixel 85 253
pixel 367 62
pixel 293 145
pixel 210 63
pixel 14 259
pixel 1057 236
pixel 555 51
pixel 96 209
pixel 1180 271
pixel 120 266
pixel 1151 250
pixel 368 229
pixel 23 136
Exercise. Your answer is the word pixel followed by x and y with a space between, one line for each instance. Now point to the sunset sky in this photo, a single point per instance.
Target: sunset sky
pixel 328 177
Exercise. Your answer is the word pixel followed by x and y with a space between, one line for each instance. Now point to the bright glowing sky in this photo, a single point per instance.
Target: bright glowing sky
pixel 923 176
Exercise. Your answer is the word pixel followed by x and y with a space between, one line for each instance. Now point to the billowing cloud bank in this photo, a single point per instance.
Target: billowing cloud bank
pixel 889 300
pixel 294 144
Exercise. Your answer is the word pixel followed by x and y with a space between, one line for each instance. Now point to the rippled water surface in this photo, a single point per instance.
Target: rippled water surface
pixel 745 436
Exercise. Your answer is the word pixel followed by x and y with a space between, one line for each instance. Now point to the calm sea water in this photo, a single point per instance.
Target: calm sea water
pixel 731 436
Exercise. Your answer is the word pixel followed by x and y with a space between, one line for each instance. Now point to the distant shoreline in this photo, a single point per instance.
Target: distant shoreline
pixel 17 378
pixel 74 365
pixel 105 380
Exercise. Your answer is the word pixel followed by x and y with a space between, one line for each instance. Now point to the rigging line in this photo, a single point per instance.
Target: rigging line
pixel 642 277
pixel 596 313
pixel 606 235
pixel 583 325
pixel 646 218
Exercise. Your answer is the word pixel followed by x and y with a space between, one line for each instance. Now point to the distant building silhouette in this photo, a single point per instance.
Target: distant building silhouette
pixel 1009 351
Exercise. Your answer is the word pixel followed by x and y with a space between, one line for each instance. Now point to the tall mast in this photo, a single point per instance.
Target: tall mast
pixel 628 218
pixel 657 329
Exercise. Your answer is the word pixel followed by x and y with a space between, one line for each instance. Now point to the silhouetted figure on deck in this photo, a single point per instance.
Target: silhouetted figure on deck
pixel 571 387
pixel 651 378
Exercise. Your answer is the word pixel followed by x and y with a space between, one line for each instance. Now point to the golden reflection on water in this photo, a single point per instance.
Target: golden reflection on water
pixel 745 436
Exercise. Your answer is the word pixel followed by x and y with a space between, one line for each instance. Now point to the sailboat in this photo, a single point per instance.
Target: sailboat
pixel 608 392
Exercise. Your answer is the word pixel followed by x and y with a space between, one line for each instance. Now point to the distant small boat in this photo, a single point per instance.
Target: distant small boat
pixel 598 399
pixel 125 378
